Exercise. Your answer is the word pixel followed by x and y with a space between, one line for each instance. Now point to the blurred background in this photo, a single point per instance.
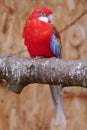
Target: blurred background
pixel 33 108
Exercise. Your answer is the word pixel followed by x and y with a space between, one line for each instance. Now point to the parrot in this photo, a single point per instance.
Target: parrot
pixel 42 39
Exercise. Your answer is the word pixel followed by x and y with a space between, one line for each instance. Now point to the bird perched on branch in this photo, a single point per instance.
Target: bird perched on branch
pixel 42 39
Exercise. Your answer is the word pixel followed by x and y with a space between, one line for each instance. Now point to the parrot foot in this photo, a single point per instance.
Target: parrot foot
pixel 38 57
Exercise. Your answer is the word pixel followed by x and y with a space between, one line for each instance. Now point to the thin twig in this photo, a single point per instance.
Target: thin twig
pixel 68 26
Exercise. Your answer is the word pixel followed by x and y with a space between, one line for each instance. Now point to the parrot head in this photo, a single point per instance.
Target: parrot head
pixel 43 14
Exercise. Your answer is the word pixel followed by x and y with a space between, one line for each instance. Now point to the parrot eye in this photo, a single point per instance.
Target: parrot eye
pixel 43 14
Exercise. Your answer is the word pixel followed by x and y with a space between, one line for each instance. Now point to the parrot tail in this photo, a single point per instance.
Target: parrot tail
pixel 57 96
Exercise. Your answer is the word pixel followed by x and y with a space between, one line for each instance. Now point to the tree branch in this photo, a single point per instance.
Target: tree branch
pixel 19 72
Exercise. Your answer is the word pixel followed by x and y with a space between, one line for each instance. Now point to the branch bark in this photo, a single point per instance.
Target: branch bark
pixel 19 72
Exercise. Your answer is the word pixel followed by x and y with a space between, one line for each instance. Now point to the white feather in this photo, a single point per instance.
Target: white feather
pixel 44 19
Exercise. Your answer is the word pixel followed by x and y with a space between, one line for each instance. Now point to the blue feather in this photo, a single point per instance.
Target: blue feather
pixel 55 46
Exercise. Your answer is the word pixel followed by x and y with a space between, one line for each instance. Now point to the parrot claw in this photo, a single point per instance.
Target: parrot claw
pixel 39 57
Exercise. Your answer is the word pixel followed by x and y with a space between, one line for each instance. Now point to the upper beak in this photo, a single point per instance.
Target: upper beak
pixel 50 18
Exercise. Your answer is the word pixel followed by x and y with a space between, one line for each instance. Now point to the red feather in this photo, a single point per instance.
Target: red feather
pixel 37 13
pixel 37 35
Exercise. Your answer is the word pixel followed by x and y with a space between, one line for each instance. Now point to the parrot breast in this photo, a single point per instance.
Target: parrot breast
pixel 37 36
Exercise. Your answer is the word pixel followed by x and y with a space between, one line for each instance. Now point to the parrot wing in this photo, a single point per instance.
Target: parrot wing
pixel 55 44
pixel 55 47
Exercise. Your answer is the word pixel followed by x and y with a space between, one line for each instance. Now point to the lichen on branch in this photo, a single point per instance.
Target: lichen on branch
pixel 19 72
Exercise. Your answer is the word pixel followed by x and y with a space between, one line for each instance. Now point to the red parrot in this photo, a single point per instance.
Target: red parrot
pixel 42 39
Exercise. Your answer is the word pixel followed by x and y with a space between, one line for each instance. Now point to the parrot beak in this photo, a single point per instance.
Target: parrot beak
pixel 50 18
